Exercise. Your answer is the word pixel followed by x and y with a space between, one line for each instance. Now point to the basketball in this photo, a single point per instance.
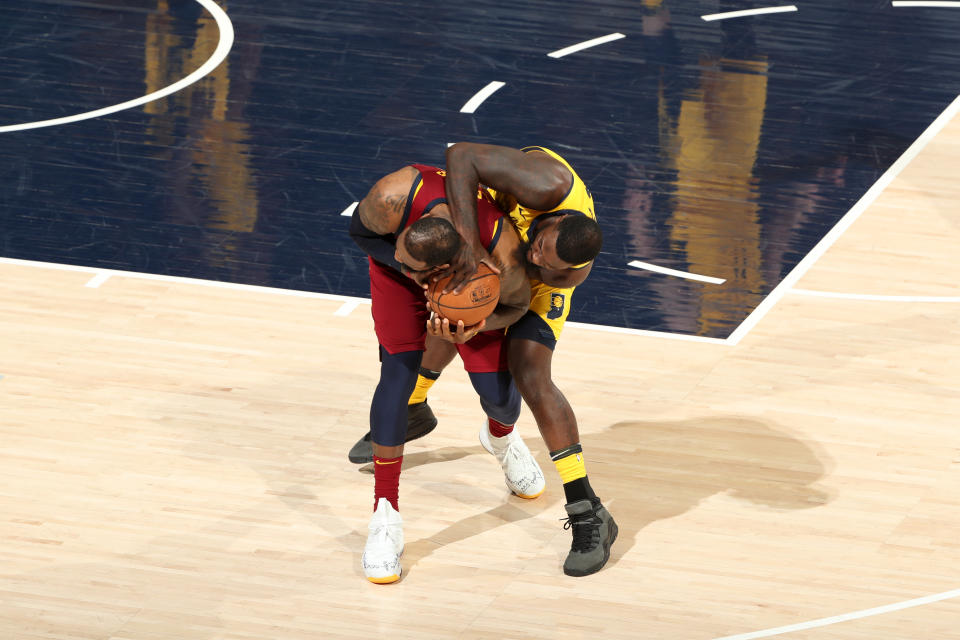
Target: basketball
pixel 476 300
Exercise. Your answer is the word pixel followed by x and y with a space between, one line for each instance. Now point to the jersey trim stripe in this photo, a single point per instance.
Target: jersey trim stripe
pixel 498 227
pixel 432 204
pixel 414 188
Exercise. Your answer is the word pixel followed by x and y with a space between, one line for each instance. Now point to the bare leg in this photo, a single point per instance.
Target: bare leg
pixel 439 354
pixel 530 364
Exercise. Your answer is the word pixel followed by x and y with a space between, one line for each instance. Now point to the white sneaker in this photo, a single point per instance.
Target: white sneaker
pixel 381 556
pixel 520 470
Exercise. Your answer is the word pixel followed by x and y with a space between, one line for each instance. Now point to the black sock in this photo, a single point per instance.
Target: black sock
pixel 429 374
pixel 578 489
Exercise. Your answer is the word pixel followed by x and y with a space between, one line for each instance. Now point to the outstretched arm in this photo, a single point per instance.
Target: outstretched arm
pixel 536 180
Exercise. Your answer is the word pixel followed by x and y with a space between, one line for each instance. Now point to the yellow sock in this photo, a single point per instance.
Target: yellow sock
pixel 423 385
pixel 571 467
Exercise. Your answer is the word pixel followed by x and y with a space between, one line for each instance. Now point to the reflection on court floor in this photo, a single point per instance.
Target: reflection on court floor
pixel 720 148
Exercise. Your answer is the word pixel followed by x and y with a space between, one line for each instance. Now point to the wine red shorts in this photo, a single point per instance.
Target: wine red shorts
pixel 400 316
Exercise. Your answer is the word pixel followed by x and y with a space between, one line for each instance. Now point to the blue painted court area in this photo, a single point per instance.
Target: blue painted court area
pixel 725 148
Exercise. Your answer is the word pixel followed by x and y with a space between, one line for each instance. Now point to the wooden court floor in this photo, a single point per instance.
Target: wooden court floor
pixel 174 463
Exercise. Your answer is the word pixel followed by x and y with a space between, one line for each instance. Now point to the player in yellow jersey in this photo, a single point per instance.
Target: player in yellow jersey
pixel 553 211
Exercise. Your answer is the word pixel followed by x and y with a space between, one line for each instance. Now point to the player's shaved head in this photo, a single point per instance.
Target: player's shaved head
pixel 432 240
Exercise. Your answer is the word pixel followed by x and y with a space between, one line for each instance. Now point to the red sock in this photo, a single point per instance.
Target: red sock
pixel 497 429
pixel 386 480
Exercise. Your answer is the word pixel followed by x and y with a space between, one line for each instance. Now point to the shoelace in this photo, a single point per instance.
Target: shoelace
pixel 586 531
pixel 384 535
pixel 502 454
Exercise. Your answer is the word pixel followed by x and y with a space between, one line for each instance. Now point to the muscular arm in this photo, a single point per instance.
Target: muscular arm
pixel 377 217
pixel 536 180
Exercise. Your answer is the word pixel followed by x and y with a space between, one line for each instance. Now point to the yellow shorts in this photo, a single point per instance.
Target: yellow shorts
pixel 543 322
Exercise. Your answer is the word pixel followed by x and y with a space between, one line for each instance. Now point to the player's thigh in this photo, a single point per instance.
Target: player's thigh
pixel 486 352
pixel 399 310
pixel 530 344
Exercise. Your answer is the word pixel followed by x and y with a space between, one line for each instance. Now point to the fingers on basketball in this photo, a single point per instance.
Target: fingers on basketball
pixel 476 300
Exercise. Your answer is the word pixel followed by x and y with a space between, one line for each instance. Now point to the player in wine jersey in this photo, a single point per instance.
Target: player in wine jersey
pixel 404 226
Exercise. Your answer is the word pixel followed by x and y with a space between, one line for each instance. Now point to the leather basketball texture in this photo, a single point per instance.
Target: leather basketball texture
pixel 476 300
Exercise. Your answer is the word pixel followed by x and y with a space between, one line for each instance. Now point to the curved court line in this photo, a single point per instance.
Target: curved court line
pixel 219 54
pixel 586 44
pixel 875 298
pixel 864 613
pixel 925 3
pixel 674 272
pixel 471 105
pixel 747 12
pixel 844 223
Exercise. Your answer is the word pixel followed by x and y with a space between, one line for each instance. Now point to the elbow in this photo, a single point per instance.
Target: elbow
pixel 461 154
pixel 456 150
pixel 557 183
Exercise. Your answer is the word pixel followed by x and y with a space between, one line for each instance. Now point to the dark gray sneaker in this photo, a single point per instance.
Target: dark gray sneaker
pixel 594 531
pixel 420 422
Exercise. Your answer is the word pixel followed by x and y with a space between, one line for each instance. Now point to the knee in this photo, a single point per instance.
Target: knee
pixel 533 385
pixel 398 375
pixel 498 395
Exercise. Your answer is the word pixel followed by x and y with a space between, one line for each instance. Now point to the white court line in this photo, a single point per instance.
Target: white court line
pixel 747 12
pixel 925 3
pixel 97 280
pixel 822 622
pixel 252 288
pixel 586 44
pixel 349 210
pixel 347 308
pixel 347 300
pixel 478 98
pixel 223 48
pixel 848 219
pixel 863 296
pixel 674 272
pixel 645 333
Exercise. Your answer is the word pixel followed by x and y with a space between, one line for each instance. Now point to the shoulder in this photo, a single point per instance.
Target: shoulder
pixel 534 177
pixel 554 178
pixel 382 209
pixel 575 194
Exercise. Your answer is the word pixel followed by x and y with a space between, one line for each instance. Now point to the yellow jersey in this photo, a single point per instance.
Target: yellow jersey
pixel 552 304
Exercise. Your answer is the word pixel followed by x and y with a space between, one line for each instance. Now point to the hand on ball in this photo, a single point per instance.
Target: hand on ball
pixel 458 333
